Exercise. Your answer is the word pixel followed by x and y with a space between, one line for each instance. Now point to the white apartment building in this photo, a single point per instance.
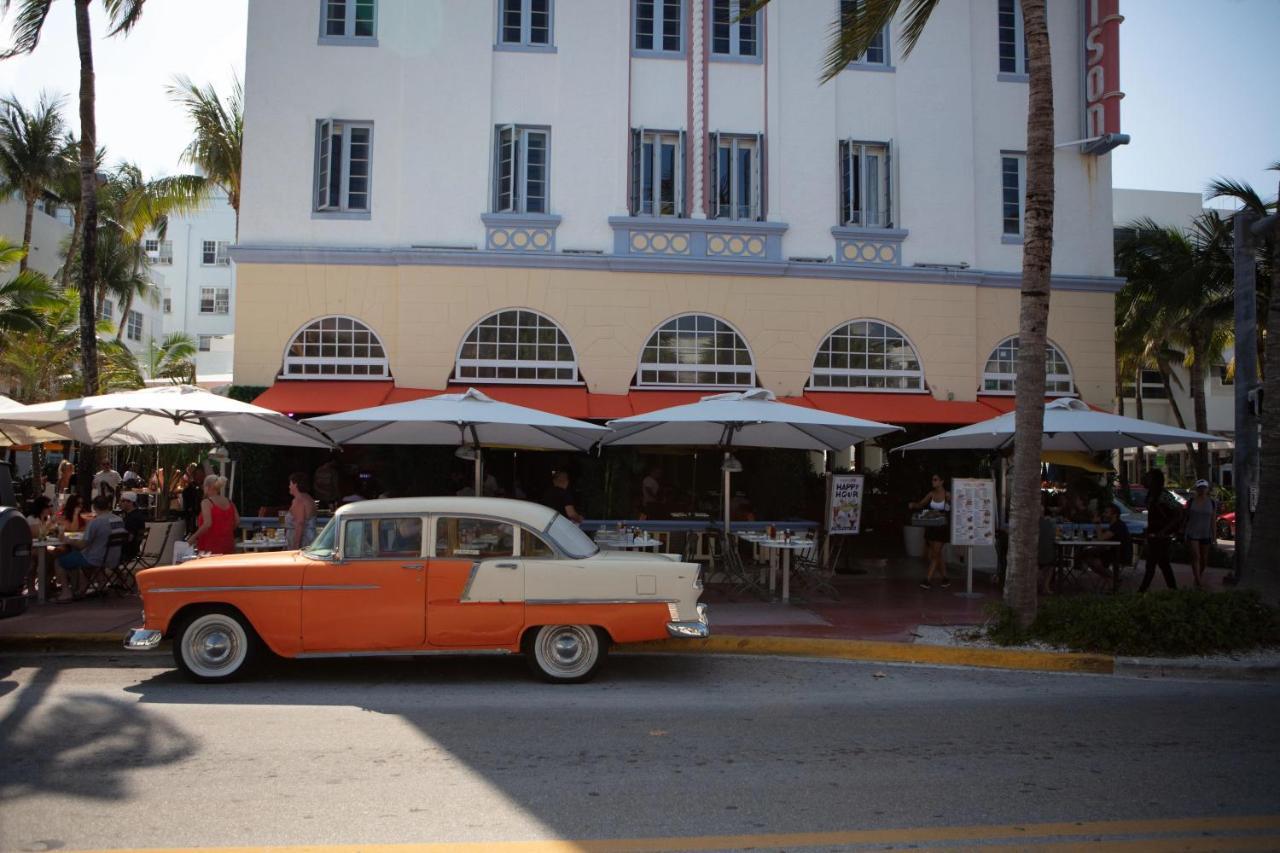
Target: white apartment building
pixel 192 269
pixel 50 227
pixel 597 205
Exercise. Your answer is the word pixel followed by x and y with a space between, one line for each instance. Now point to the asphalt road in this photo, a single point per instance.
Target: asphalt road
pixel 106 752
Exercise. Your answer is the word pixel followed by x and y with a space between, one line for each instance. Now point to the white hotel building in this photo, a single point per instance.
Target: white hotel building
pixel 587 205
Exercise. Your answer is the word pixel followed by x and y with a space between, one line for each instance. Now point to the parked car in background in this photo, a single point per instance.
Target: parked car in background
pixel 1134 519
pixel 412 576
pixel 1226 526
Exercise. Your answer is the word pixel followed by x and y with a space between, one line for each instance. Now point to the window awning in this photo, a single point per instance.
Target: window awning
pixel 322 396
pixel 1005 404
pixel 900 409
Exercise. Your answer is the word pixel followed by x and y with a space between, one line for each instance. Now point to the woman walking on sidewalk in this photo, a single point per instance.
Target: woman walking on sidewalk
pixel 1202 512
pixel 1163 520
pixel 938 500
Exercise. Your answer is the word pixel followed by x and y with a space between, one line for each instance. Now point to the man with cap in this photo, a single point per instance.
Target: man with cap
pixel 135 521
pixel 1202 512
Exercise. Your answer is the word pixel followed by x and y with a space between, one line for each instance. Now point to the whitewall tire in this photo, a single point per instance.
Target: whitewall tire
pixel 566 654
pixel 214 646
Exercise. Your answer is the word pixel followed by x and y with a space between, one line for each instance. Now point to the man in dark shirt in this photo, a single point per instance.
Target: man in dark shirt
pixel 1107 560
pixel 1163 520
pixel 135 521
pixel 559 498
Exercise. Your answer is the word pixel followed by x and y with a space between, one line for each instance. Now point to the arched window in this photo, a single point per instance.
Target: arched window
pixel 1002 368
pixel 867 355
pixel 516 345
pixel 340 347
pixel 696 349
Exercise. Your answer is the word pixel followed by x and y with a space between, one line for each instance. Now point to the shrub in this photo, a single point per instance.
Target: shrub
pixel 1170 622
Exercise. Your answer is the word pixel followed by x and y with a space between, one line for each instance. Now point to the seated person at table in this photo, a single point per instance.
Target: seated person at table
pixel 1105 561
pixel 70 518
pixel 91 551
pixel 135 521
pixel 40 516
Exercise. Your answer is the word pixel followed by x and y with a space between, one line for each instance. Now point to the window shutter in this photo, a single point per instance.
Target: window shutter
pixel 681 166
pixel 507 189
pixel 888 184
pixel 713 186
pixel 757 179
pixel 637 148
pixel 324 164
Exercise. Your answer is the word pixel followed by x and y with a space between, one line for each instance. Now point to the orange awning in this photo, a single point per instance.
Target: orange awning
pixel 322 397
pixel 1004 405
pixel 899 409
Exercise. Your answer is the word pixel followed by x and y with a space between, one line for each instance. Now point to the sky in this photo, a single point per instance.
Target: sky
pixel 1201 84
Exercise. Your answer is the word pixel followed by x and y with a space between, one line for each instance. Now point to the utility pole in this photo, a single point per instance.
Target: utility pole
pixel 1244 461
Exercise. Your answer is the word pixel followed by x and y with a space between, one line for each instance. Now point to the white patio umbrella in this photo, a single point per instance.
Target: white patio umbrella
pixel 13 434
pixel 752 418
pixel 1069 424
pixel 472 419
pixel 173 414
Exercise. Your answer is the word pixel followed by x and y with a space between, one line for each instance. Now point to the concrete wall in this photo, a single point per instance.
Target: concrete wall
pixel 47 235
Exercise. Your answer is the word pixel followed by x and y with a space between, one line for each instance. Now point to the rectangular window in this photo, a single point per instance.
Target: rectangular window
pixel 344 154
pixel 159 251
pixel 1013 38
pixel 215 300
pixel 659 26
pixel 865 184
pixel 382 538
pixel 731 36
pixel 878 51
pixel 133 331
pixel 204 343
pixel 167 301
pixel 735 176
pixel 1013 188
pixel 1153 386
pixel 525 22
pixel 350 19
pixel 657 172
pixel 473 539
pixel 107 310
pixel 521 159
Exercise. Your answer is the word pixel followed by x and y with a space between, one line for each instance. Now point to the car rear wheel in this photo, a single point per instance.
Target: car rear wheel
pixel 565 654
pixel 215 646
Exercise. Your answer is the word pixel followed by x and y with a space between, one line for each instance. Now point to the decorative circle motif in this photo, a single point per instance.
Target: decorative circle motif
pixel 679 243
pixel 735 245
pixel 868 252
pixel 716 245
pixel 886 254
pixel 499 238
pixel 639 243
pixel 850 252
pixel 521 239
pixel 755 246
pixel 541 239
pixel 659 243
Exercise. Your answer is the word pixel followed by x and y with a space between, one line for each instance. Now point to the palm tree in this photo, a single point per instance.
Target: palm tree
pixel 67 188
pixel 852 33
pixel 21 296
pixel 27 26
pixel 1260 566
pixel 215 150
pixel 172 358
pixel 29 147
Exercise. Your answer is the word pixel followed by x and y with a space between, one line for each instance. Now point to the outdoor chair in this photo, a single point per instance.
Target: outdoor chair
pixel 812 575
pixel 155 544
pixel 102 579
pixel 744 578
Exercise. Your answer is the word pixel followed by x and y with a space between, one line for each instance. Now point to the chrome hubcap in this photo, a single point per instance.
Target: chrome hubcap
pixel 567 651
pixel 214 647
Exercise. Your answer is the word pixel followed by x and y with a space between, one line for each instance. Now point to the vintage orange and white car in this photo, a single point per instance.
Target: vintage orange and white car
pixel 423 576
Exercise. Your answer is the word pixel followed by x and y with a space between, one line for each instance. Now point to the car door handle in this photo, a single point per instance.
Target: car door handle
pixel 508 565
pixel 416 567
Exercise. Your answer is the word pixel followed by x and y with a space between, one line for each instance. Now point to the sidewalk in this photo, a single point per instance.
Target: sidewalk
pixel 881 615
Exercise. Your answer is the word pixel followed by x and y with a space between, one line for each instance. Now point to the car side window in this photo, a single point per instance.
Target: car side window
pixel 382 538
pixel 533 545
pixel 473 538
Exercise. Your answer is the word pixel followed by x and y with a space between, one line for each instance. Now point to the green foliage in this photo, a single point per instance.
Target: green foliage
pixel 1165 623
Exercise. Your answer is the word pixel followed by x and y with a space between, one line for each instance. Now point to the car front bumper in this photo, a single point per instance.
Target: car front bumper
pixel 696 629
pixel 141 639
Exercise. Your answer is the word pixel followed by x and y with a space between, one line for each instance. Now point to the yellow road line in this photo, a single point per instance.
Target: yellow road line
pixel 1198 834
pixel 868 650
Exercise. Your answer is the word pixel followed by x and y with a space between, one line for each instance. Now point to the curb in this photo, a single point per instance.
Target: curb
pixel 871 651
pixel 61 642
pixel 1174 668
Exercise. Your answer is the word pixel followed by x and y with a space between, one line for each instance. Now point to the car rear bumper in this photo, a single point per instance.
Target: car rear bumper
pixel 141 638
pixel 697 628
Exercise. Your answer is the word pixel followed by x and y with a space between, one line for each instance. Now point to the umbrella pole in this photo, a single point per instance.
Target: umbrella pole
pixel 725 496
pixel 479 473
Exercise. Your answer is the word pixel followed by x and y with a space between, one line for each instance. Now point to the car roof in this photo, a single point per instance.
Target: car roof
pixel 526 513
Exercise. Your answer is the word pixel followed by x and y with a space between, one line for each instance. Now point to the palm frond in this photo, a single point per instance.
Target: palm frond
pixel 1240 191
pixel 124 15
pixel 216 147
pixel 27 25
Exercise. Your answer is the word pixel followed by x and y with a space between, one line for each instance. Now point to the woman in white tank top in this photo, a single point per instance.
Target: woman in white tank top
pixel 937 499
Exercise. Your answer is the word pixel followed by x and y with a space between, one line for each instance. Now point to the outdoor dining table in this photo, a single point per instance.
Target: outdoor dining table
pixel 42 548
pixel 1067 555
pixel 278 543
pixel 780 552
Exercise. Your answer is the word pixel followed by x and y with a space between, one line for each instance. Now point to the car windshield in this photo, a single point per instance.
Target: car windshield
pixel 570 539
pixel 324 545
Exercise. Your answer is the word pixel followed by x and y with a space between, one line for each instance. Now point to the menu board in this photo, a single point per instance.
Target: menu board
pixel 973 512
pixel 844 504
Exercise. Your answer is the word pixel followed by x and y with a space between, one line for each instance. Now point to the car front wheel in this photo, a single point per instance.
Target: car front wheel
pixel 216 646
pixel 566 654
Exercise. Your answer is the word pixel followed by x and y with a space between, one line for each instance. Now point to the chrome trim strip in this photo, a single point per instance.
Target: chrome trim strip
pixel 141 639
pixel 262 588
pixel 332 586
pixel 602 601
pixel 404 653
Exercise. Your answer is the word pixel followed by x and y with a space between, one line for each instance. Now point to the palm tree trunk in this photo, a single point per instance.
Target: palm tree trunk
pixel 89 240
pixel 77 225
pixel 1033 321
pixel 125 308
pixel 1141 466
pixel 1173 403
pixel 28 223
pixel 1261 568
pixel 1196 381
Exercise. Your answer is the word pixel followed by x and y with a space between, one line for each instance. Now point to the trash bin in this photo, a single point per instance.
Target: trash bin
pixel 913 540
